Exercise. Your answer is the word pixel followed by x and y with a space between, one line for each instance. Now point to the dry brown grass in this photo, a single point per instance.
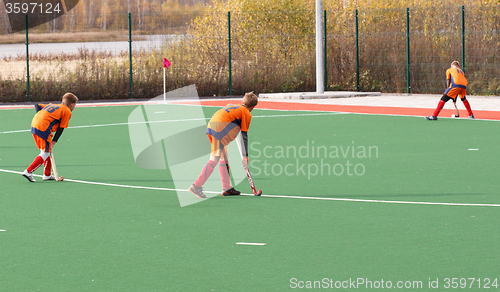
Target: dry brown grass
pixel 92 36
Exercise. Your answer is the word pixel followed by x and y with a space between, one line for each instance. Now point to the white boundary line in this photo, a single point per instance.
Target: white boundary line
pixel 186 103
pixel 345 113
pixel 380 201
pixel 111 185
pixel 180 120
pixel 272 196
pixel 82 104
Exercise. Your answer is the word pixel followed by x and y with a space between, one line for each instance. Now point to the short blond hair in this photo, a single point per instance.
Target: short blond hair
pixel 69 98
pixel 455 63
pixel 250 100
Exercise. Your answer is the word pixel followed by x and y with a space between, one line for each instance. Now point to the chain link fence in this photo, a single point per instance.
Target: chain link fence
pixel 270 51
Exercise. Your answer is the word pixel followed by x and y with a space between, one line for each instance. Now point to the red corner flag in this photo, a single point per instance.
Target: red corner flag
pixel 166 63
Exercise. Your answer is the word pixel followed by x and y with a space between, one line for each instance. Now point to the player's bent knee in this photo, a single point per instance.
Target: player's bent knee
pixel 44 155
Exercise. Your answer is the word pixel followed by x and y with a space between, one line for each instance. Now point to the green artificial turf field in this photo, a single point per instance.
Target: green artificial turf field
pixel 390 174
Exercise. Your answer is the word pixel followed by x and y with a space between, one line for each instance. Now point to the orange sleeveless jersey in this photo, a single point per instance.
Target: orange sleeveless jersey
pixel 49 119
pixel 457 78
pixel 227 122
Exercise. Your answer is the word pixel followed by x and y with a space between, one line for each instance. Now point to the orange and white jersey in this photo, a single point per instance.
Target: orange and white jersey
pixel 227 122
pixel 457 78
pixel 49 119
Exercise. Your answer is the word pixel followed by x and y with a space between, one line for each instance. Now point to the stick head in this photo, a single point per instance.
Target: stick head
pixel 259 193
pixel 60 178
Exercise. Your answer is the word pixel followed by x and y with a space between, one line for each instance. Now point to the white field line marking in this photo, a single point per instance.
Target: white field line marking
pixel 110 185
pixel 472 149
pixel 172 121
pixel 228 100
pixel 97 104
pixel 250 243
pixel 344 113
pixel 379 201
pixel 2 230
pixel 271 196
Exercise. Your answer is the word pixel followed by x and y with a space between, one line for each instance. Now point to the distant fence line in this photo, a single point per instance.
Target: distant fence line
pixel 389 50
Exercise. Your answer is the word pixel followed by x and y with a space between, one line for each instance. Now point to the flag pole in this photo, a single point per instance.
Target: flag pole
pixel 166 64
pixel 320 77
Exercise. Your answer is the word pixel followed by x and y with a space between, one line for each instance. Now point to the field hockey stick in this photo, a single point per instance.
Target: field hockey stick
pixel 249 176
pixel 456 109
pixel 54 168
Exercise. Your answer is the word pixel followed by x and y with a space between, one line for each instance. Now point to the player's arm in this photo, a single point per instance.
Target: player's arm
pixel 57 135
pixel 244 145
pixel 39 107
pixel 62 125
pixel 448 78
pixel 448 83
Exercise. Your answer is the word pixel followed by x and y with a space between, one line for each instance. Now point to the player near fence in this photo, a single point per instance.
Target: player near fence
pixel 223 128
pixel 457 86
pixel 49 118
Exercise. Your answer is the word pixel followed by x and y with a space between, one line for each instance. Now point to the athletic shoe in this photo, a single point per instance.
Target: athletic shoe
pixel 50 177
pixel 197 191
pixel 471 117
pixel 431 118
pixel 230 192
pixel 28 176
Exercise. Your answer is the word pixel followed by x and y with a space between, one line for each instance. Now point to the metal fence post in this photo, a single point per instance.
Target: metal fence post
pixel 357 52
pixel 27 60
pixel 463 38
pixel 130 53
pixel 408 49
pixel 325 50
pixel 229 52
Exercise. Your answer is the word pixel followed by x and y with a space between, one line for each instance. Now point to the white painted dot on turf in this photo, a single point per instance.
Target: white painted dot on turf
pixel 250 243
pixel 472 149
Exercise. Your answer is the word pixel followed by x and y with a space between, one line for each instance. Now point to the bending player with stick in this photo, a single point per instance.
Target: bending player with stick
pixel 457 86
pixel 223 128
pixel 49 118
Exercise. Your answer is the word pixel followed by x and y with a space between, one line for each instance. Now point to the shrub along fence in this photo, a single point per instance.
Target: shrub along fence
pixel 229 53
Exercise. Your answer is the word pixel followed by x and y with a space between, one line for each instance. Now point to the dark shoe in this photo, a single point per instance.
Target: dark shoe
pixel 431 118
pixel 471 117
pixel 197 191
pixel 230 192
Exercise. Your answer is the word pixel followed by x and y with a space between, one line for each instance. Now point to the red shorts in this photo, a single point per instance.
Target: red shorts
pixel 218 149
pixel 42 144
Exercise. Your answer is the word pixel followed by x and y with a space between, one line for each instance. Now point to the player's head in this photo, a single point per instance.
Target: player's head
pixel 455 64
pixel 69 100
pixel 250 100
